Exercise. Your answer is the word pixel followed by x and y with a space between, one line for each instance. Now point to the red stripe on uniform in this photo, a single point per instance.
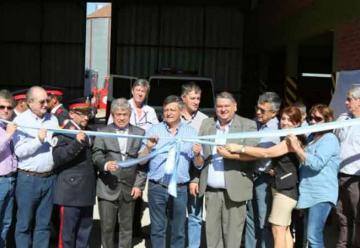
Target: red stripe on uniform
pixel 61 227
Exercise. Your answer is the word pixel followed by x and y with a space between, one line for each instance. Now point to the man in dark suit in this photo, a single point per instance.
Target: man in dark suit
pixel 226 184
pixel 75 187
pixel 117 187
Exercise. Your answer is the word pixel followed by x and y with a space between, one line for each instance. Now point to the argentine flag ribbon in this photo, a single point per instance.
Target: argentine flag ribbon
pixel 173 146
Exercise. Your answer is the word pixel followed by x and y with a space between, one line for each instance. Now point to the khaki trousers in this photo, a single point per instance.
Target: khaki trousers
pixel 225 220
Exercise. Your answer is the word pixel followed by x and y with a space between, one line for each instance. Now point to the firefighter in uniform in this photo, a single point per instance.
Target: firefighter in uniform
pixel 55 95
pixel 21 104
pixel 75 188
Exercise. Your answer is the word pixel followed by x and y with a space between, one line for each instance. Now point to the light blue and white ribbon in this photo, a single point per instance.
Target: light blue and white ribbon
pixel 175 143
pixel 284 132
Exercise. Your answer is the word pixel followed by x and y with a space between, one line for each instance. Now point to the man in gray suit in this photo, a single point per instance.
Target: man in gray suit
pixel 227 184
pixel 117 187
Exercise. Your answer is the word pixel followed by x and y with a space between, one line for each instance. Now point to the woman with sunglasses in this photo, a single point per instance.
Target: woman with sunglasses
pixel 284 176
pixel 318 174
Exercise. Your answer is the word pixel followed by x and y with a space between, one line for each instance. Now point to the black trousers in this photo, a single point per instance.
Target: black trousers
pixel 75 226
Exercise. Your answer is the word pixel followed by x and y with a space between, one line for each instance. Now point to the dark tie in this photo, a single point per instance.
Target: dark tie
pixel 12 147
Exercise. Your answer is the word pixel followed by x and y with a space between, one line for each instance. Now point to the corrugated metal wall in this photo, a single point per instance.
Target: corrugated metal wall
pixel 207 39
pixel 42 42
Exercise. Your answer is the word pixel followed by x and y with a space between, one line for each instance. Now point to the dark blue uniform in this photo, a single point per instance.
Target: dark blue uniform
pixel 75 188
pixel 61 114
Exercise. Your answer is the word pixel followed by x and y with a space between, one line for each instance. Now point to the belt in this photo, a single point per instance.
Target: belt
pixel 347 175
pixel 37 174
pixel 211 189
pixel 164 185
pixel 11 174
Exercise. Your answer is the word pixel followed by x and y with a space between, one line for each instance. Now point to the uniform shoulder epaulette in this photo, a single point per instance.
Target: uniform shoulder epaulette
pixel 59 111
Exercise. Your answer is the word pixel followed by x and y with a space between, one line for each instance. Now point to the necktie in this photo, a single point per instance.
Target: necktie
pixel 12 147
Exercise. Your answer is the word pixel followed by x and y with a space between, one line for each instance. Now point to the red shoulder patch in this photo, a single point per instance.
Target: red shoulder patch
pixel 59 111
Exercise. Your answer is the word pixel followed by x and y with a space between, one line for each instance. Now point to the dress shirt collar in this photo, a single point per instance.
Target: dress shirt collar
pixel 272 123
pixel 16 112
pixel 224 128
pixel 124 129
pixel 177 128
pixel 192 117
pixel 133 105
pixel 46 116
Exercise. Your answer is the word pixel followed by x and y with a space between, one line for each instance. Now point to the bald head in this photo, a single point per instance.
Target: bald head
pixel 36 99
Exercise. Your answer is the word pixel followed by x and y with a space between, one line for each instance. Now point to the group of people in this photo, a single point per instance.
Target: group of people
pixel 254 186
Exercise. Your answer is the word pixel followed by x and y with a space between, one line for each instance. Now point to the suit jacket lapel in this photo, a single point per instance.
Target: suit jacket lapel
pixel 235 127
pixel 211 131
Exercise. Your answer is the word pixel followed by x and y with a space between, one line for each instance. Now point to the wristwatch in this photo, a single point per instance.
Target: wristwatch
pixel 242 149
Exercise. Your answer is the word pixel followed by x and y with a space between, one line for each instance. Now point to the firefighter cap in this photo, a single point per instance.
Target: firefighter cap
pixel 19 95
pixel 80 104
pixel 53 90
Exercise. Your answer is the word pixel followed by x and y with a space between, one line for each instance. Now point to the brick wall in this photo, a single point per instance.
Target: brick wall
pixel 347 45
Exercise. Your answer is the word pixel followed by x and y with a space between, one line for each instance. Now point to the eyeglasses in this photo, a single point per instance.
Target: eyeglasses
pixel 316 118
pixel 262 111
pixel 42 102
pixel 2 107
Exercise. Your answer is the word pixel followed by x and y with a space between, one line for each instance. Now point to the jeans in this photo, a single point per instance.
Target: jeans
pixel 7 190
pixel 258 231
pixel 317 216
pixel 166 209
pixel 195 209
pixel 34 196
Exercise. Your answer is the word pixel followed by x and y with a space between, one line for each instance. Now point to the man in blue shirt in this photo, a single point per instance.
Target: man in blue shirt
pixel 163 207
pixel 34 187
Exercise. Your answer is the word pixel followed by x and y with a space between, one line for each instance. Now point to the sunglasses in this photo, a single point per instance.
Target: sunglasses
pixel 2 107
pixel 316 118
pixel 42 102
pixel 262 111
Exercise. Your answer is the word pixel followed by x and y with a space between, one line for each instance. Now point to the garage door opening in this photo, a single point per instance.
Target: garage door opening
pixel 315 69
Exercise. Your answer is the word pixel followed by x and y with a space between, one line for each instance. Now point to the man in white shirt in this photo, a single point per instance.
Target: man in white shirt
pixel 348 208
pixel 35 181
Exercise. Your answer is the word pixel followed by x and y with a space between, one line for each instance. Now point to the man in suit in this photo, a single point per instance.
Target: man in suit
pixel 74 191
pixel 117 188
pixel 226 184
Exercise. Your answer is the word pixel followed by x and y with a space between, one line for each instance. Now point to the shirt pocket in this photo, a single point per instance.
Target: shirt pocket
pixel 74 179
